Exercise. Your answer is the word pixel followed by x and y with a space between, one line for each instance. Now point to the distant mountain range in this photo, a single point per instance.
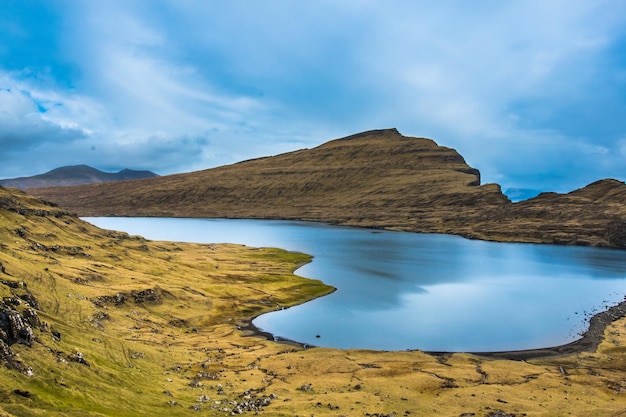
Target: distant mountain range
pixel 377 179
pixel 74 175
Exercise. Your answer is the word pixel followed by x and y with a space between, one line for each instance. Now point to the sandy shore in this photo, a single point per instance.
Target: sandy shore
pixel 588 342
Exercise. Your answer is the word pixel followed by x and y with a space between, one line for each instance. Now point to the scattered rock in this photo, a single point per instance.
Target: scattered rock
pixel 306 388
pixel 137 355
pixel 7 357
pixel 207 375
pixel 31 317
pixel 150 295
pixel 78 358
pixel 21 393
pixel 449 383
pixel 251 403
pixel 117 300
pixel 15 326
pixel 147 296
pixel 499 413
pixel 100 316
pixel 13 301
pixel 178 323
pixel 13 284
pixel 31 300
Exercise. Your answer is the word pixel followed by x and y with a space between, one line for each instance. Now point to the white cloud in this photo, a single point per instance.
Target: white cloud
pixel 23 125
pixel 227 81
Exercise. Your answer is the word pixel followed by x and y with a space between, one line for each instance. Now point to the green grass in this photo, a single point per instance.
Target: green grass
pixel 142 356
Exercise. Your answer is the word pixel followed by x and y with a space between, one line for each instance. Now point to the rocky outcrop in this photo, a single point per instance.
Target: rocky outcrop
pixel 18 323
pixel 147 296
pixel 16 327
pixel 10 203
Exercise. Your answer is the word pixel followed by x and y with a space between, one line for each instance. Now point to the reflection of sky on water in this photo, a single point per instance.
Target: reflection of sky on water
pixel 433 292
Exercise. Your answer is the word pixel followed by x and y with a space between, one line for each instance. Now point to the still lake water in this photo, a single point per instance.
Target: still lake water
pixel 398 290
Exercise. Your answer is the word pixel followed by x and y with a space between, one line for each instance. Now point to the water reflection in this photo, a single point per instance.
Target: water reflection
pixel 413 291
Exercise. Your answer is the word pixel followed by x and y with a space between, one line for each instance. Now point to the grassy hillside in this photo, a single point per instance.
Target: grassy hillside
pixel 124 320
pixel 374 179
pixel 122 326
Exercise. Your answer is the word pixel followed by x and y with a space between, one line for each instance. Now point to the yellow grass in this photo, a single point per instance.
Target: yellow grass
pixel 159 358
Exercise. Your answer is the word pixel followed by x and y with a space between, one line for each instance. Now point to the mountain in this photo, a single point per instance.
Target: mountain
pixel 74 175
pixel 99 323
pixel 372 178
pixel 378 179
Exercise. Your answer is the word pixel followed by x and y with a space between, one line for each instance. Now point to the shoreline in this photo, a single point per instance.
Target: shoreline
pixel 588 342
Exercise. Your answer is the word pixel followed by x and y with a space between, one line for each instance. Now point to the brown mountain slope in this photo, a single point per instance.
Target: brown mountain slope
pixel 373 179
pixel 592 215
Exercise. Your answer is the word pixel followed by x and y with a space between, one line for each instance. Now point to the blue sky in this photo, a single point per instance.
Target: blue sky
pixel 530 92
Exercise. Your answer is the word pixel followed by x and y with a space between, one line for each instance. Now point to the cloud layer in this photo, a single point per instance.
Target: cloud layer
pixel 532 93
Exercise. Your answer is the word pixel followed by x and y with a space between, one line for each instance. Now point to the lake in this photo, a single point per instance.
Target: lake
pixel 399 290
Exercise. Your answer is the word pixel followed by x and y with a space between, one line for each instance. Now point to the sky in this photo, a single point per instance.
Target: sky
pixel 530 92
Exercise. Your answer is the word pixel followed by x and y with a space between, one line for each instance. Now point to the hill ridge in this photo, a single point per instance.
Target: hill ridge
pixel 377 179
pixel 74 175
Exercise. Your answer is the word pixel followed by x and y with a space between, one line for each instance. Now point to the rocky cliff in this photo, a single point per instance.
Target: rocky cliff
pixel 593 215
pixel 378 179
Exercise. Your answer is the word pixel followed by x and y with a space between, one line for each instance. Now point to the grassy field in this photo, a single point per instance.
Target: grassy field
pixel 132 327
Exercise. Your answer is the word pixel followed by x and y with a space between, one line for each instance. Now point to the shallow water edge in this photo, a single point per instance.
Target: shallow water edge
pixel 588 341
pixel 401 291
